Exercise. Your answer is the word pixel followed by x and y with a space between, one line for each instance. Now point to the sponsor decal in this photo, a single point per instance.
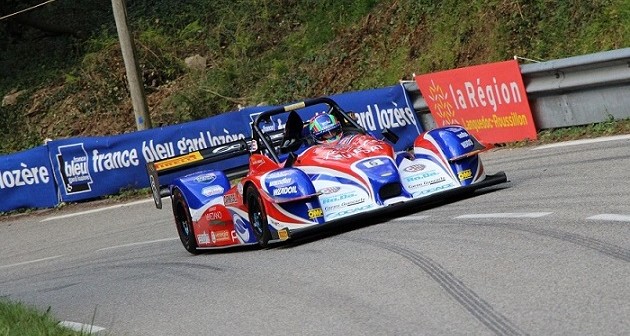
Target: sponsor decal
pixel 206 178
pixel 280 173
pixel 212 190
pixel 73 164
pixel 344 204
pixel 281 182
pixel 285 191
pixel 220 236
pixel 329 190
pixel 467 143
pixel 283 234
pixel 203 238
pixel 464 175
pixel 421 176
pixel 350 211
pixel 257 162
pixel 178 161
pixel 334 199
pixel 341 154
pixel 432 190
pixel 315 213
pixel 228 148
pixel 214 216
pixel 229 199
pixel 426 183
pixel 415 168
pixel 461 135
pixel 241 228
pixel 373 163
pixel 349 203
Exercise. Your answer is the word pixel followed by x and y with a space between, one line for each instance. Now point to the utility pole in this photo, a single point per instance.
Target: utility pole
pixel 136 87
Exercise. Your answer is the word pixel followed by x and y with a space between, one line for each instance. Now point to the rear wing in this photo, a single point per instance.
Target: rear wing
pixel 182 162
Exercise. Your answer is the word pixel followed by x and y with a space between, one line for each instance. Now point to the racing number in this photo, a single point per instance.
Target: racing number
pixel 373 163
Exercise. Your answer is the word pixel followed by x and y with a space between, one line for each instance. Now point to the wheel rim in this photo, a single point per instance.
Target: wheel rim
pixel 257 220
pixel 183 222
pixel 185 227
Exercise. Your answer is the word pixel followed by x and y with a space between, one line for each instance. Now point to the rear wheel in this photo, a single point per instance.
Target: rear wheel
pixel 258 216
pixel 183 222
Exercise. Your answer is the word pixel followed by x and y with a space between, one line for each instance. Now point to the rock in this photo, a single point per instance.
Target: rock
pixel 196 62
pixel 12 97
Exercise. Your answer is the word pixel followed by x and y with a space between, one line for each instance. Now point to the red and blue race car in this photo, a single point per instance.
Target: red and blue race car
pixel 295 184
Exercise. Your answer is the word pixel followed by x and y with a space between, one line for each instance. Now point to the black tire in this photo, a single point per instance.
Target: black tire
pixel 183 222
pixel 257 216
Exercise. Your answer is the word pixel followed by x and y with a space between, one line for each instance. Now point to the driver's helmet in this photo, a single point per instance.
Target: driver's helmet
pixel 325 128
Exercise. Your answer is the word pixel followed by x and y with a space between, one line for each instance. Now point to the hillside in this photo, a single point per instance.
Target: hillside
pixel 71 81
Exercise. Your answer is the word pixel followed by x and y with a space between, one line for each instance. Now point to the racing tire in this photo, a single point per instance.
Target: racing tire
pixel 183 222
pixel 258 216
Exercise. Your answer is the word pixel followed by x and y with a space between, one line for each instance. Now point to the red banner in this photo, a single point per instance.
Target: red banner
pixel 489 100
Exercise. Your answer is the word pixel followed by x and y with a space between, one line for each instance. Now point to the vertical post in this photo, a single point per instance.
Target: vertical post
pixel 134 78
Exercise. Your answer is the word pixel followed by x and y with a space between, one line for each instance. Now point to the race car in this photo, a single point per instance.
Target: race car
pixel 294 184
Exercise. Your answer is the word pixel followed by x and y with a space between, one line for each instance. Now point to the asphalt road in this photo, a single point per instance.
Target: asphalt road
pixel 546 254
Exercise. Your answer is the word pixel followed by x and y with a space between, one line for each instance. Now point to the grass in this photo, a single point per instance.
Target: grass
pixel 267 51
pixel 20 319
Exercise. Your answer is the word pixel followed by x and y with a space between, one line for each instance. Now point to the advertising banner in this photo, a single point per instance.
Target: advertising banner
pixel 26 180
pixel 489 100
pixel 88 167
pixel 376 109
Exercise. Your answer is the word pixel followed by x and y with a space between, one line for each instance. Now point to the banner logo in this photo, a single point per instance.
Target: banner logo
pixel 489 100
pixel 74 168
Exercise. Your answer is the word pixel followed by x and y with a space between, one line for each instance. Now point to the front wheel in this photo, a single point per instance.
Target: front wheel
pixel 258 216
pixel 183 222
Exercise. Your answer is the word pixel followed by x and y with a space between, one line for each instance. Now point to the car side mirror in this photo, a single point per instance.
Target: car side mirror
pixel 290 145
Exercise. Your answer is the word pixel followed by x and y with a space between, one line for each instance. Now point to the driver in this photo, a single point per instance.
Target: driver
pixel 325 128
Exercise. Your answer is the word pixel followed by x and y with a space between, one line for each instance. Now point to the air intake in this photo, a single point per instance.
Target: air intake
pixel 390 190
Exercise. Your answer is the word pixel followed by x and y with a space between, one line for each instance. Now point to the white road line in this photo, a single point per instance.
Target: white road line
pixel 96 210
pixel 611 217
pixel 507 215
pixel 138 243
pixel 583 141
pixel 80 327
pixel 408 218
pixel 31 261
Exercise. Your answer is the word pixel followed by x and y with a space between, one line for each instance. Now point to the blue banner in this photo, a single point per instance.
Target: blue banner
pixel 26 180
pixel 90 167
pixel 377 109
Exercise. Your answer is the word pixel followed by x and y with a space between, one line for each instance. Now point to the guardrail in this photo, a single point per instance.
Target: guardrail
pixel 566 92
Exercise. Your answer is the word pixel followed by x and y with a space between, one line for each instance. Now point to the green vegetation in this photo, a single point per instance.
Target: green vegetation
pixel 266 51
pixel 19 319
